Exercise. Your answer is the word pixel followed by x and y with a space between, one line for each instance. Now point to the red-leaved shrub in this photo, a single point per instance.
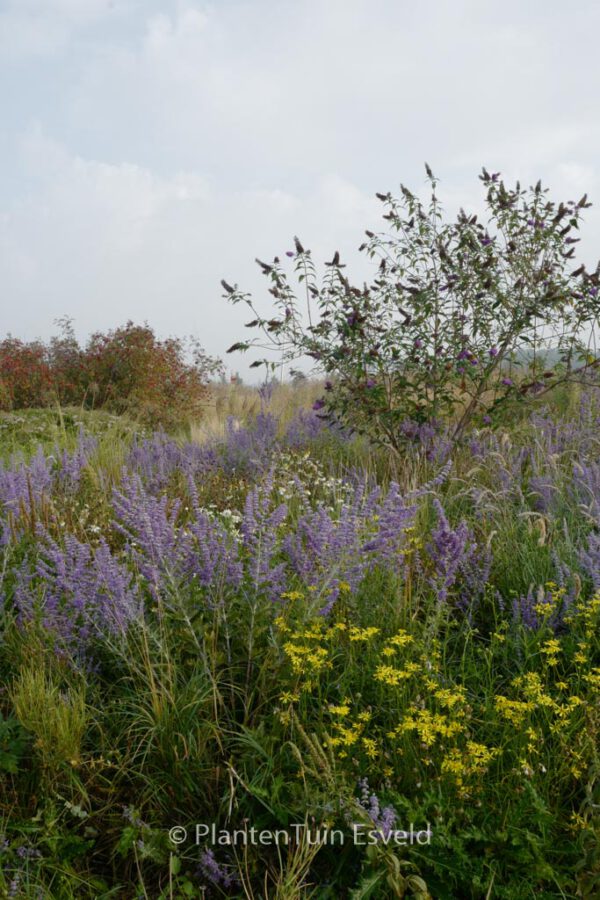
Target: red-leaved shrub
pixel 126 370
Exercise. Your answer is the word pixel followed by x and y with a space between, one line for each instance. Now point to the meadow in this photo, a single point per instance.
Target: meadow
pixel 267 625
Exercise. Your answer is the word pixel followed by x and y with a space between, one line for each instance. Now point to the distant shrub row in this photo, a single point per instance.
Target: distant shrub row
pixel 125 370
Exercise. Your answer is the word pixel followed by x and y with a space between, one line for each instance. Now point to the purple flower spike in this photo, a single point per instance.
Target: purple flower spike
pixel 289 253
pixel 318 404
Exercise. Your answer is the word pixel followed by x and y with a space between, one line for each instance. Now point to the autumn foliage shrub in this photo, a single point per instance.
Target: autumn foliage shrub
pixel 25 374
pixel 124 370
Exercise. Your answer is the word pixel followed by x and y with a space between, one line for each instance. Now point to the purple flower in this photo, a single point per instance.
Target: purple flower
pixel 493 351
pixel 418 344
pixel 370 383
pixel 76 593
pixel 289 253
pixel 456 560
pixel 529 610
pixel 260 532
pixel 168 555
pixel 383 819
pixel 318 404
pixel 219 875
pixel 507 381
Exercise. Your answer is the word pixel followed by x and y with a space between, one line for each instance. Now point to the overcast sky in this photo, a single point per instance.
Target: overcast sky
pixel 150 148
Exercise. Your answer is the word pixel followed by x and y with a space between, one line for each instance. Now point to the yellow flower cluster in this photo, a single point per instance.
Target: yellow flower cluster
pixel 535 697
pixel 428 726
pixel 546 608
pixel 469 762
pixel 514 711
pixel 551 650
pixel 307 660
pixel 362 634
pixel 588 614
pixel 352 735
pixel 393 677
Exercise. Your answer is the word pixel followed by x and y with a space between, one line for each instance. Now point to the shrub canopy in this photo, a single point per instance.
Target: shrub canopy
pixel 462 320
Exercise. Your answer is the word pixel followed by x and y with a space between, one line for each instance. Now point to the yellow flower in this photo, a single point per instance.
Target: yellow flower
pixel 401 639
pixel 370 747
pixel 342 710
pixel 577 822
pixel 362 634
pixel 390 675
pixel 292 595
pixel 288 697
pixel 551 649
pixel 593 678
pixel 514 711
pixel 450 698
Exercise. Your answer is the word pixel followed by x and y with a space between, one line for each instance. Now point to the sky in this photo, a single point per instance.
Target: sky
pixel 149 149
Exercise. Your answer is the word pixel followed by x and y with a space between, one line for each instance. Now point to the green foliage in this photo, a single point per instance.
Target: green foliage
pixel 269 714
pixel 13 741
pixel 458 322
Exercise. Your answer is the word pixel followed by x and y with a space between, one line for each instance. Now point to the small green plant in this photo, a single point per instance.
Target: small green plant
pixel 13 741
pixel 458 322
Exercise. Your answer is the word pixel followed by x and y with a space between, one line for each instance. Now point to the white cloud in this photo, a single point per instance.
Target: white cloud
pixel 173 141
pixel 41 28
pixel 105 243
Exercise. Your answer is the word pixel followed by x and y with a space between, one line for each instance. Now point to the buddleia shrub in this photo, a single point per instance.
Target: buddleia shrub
pixel 463 320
